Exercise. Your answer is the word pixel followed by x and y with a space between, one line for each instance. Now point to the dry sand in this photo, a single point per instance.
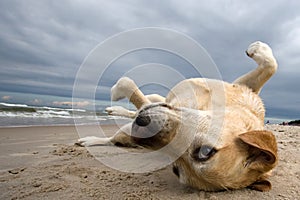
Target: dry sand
pixel 43 163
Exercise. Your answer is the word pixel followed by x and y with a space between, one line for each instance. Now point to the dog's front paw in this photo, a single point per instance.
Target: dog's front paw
pixel 87 141
pixel 260 52
pixel 120 89
pixel 116 111
pixel 120 111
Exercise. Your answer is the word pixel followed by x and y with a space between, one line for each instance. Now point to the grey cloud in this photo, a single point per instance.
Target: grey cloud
pixel 43 43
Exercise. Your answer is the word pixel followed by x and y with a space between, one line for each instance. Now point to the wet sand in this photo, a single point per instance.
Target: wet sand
pixel 44 163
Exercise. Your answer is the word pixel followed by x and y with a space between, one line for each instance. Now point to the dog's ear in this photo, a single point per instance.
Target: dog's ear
pixel 261 185
pixel 261 147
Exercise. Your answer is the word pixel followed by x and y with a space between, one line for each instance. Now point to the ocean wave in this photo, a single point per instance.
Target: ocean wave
pixel 17 109
pixel 13 105
pixel 21 114
pixel 53 112
pixel 77 110
pixel 67 109
pixel 23 108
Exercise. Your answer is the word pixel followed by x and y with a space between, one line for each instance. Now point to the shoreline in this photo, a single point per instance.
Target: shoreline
pixel 110 124
pixel 43 162
pixel 63 125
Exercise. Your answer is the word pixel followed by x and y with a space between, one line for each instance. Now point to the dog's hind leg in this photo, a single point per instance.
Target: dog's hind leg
pixel 262 54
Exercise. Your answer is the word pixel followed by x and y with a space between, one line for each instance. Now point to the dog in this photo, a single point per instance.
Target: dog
pixel 220 123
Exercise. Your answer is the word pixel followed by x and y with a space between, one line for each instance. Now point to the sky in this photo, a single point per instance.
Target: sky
pixel 43 44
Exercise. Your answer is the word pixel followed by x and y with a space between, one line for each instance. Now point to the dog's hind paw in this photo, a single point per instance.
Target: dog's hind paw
pixel 260 52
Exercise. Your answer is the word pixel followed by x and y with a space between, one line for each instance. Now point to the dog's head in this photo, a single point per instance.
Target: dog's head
pixel 210 159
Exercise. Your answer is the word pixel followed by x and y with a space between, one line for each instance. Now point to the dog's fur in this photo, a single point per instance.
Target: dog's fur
pixel 222 124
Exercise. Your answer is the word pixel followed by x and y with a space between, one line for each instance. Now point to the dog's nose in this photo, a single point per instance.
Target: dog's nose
pixel 143 120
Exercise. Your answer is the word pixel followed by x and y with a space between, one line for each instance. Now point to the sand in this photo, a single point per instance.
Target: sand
pixel 44 163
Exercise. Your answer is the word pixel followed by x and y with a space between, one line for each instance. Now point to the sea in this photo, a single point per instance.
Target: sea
pixel 19 110
pixel 15 115
pixel 43 110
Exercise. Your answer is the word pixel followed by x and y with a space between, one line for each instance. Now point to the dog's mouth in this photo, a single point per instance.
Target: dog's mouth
pixel 154 125
pixel 159 124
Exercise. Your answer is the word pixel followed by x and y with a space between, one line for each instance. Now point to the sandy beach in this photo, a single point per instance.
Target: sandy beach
pixel 44 163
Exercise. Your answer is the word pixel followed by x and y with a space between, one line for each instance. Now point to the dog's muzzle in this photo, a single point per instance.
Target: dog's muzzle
pixel 151 124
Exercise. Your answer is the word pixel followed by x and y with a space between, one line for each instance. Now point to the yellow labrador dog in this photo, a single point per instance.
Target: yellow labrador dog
pixel 221 123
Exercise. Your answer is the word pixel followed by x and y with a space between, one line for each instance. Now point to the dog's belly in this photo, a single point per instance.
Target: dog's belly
pixel 190 93
pixel 210 94
pixel 199 93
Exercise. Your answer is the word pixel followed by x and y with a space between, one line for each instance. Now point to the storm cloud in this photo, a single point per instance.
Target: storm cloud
pixel 44 43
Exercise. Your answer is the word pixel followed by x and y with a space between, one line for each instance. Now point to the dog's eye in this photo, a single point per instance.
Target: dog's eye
pixel 204 153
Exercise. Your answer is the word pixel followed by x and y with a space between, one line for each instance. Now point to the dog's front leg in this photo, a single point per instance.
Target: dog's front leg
pixel 120 111
pixel 121 138
pixel 262 54
pixel 125 87
pixel 123 112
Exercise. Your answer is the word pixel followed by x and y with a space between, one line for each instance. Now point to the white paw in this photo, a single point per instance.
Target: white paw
pixel 120 111
pixel 116 111
pixel 120 89
pixel 87 141
pixel 260 52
